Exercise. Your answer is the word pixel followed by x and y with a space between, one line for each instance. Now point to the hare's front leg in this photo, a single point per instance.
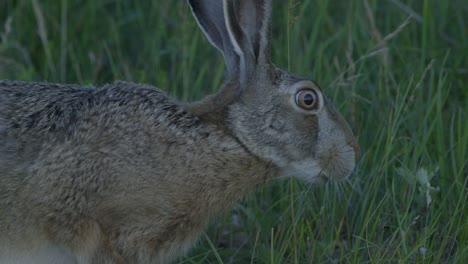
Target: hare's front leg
pixel 96 249
pixel 89 245
pixel 107 255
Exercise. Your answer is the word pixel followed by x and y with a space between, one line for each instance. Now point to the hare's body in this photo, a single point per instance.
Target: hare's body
pixel 124 174
pixel 102 189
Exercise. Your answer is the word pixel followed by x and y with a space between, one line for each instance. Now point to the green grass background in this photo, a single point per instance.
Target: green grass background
pixel 397 70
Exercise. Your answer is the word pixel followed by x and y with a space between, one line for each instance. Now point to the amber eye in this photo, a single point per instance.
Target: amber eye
pixel 306 99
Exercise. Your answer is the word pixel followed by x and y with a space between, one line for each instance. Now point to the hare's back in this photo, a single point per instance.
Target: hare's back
pixel 31 112
pixel 47 109
pixel 29 107
pixel 38 116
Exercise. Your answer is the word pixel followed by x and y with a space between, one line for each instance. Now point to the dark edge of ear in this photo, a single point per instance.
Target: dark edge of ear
pixel 210 19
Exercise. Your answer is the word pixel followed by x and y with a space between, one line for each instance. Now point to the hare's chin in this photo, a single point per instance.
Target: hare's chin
pixel 319 179
pixel 307 170
pixel 311 171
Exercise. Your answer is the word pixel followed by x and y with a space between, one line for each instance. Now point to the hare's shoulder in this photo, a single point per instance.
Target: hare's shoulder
pixel 145 105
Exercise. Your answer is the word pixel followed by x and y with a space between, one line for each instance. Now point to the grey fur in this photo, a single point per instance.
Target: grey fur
pixel 125 174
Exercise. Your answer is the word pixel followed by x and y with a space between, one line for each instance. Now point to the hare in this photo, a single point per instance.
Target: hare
pixel 125 174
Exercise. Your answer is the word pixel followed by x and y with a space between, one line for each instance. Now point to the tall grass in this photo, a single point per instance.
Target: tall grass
pixel 398 71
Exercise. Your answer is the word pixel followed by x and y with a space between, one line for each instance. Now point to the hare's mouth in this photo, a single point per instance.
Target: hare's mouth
pixel 311 171
pixel 307 170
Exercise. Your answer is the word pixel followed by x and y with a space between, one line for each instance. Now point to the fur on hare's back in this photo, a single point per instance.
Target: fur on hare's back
pixel 122 164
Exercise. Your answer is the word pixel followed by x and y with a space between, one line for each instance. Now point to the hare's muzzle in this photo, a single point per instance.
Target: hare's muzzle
pixel 338 150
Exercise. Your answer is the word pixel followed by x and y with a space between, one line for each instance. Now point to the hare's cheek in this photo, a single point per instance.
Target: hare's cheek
pixel 274 125
pixel 277 125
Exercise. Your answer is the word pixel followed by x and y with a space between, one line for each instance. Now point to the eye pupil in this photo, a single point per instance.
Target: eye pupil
pixel 308 99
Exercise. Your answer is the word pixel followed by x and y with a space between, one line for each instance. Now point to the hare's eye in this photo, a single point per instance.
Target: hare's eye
pixel 306 99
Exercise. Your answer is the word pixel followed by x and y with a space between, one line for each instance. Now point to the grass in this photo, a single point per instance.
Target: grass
pixel 397 70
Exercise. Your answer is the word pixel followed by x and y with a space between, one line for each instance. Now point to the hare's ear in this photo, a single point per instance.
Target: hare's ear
pixel 210 18
pixel 240 29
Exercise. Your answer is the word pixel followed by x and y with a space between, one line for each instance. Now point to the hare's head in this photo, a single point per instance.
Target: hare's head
pixel 278 116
